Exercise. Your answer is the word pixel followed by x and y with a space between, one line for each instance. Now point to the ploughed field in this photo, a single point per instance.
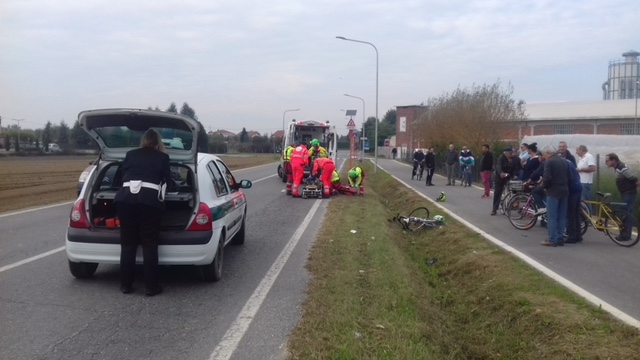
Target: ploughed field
pixel 40 180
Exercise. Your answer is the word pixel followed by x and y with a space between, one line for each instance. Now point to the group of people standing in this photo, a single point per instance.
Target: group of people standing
pixel 561 181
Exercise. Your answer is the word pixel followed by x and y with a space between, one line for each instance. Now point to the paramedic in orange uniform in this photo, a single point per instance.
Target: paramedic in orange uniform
pixel 299 160
pixel 324 167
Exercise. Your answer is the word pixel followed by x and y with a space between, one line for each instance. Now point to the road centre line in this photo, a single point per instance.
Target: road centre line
pixel 264 178
pixel 236 331
pixel 33 258
pixel 619 314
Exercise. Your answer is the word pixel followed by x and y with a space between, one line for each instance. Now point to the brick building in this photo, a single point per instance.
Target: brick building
pixel 610 117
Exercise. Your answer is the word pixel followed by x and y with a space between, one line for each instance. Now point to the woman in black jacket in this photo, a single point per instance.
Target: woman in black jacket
pixel 139 205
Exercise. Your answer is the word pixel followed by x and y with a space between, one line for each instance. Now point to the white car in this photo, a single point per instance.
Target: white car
pixel 54 148
pixel 205 208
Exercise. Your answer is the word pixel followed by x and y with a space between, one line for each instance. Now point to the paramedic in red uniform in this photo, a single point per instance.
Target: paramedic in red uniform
pixel 324 167
pixel 299 160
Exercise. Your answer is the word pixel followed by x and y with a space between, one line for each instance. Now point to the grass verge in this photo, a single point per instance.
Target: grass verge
pixel 374 295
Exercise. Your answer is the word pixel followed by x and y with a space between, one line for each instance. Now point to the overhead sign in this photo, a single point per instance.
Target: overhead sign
pixel 351 124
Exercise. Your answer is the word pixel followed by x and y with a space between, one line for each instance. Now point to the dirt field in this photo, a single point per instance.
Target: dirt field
pixel 34 181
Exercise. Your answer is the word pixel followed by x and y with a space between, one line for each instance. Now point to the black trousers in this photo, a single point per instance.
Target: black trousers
pixel 497 193
pixel 573 217
pixel 429 175
pixel 139 225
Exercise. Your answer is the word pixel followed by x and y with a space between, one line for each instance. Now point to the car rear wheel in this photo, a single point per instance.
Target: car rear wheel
pixel 282 174
pixel 213 271
pixel 238 238
pixel 82 270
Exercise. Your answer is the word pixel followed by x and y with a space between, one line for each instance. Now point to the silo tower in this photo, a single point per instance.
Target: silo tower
pixel 623 78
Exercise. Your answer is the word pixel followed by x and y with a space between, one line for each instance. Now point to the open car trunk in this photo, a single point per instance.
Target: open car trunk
pixel 180 202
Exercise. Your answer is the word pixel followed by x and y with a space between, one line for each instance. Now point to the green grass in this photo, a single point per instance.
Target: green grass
pixel 374 296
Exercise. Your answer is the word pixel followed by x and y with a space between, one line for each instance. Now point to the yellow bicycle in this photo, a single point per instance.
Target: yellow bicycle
pixel 613 220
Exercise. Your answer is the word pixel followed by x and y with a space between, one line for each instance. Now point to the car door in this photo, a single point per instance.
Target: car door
pixel 227 202
pixel 236 196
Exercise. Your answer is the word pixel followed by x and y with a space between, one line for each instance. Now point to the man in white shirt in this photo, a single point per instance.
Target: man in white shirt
pixel 586 167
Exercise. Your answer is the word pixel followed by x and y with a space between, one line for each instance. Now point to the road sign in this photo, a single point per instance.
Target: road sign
pixel 351 124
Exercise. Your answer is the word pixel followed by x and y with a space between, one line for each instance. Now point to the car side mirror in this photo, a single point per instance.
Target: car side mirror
pixel 245 184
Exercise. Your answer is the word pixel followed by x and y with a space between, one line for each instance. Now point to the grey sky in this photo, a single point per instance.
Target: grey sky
pixel 242 63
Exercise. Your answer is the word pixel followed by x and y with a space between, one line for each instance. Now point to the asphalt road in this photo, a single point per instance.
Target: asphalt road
pixel 597 265
pixel 45 313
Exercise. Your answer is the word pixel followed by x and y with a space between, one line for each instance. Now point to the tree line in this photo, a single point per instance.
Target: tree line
pixel 75 138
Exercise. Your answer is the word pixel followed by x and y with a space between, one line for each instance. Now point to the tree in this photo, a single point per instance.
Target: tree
pixel 244 136
pixel 63 135
pixel 217 144
pixel 80 139
pixel 187 110
pixel 172 108
pixel 471 116
pixel 46 136
pixel 390 118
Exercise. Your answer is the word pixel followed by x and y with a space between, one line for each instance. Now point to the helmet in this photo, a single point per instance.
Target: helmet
pixel 353 174
pixel 315 142
pixel 439 219
pixel 442 197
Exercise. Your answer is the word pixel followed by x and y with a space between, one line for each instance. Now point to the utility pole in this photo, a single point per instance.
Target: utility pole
pixel 18 121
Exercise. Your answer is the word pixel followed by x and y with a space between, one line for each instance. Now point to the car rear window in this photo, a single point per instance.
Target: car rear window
pixel 122 136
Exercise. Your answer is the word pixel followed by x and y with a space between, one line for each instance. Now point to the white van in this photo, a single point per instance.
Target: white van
pixel 54 148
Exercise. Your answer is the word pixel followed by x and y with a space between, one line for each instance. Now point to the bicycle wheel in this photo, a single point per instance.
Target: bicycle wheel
pixel 615 226
pixel 521 212
pixel 505 202
pixel 585 215
pixel 416 217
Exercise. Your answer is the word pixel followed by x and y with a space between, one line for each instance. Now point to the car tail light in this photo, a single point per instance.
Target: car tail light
pixel 78 218
pixel 203 220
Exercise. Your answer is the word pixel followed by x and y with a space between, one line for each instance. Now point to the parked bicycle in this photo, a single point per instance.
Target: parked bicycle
pixel 613 220
pixel 523 213
pixel 419 218
pixel 514 187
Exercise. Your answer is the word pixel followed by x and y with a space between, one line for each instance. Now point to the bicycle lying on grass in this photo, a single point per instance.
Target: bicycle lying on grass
pixel 613 220
pixel 418 219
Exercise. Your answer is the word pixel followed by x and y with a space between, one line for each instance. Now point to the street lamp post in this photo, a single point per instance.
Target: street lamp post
pixel 635 120
pixel 363 120
pixel 18 121
pixel 375 140
pixel 286 111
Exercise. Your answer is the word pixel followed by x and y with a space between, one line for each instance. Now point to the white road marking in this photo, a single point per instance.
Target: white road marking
pixel 264 178
pixel 36 209
pixel 33 258
pixel 626 318
pixel 51 252
pixel 232 338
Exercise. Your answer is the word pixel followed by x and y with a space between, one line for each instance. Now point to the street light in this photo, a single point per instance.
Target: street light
pixel 286 111
pixel 363 136
pixel 18 121
pixel 635 120
pixel 375 154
